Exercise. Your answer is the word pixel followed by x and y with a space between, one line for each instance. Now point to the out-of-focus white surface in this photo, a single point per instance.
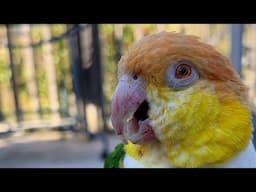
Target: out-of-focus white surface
pixel 52 150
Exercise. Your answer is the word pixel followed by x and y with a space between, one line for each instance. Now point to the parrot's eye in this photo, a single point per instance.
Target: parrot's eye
pixel 181 75
pixel 183 71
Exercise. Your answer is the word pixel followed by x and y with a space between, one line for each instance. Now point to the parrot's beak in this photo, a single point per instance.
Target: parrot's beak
pixel 129 111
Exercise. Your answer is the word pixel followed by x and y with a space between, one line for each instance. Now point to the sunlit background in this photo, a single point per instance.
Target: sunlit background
pixel 56 83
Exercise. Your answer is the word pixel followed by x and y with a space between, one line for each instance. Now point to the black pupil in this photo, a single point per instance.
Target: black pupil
pixel 135 77
pixel 183 70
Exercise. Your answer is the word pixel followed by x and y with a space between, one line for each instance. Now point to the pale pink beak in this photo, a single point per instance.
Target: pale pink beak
pixel 128 97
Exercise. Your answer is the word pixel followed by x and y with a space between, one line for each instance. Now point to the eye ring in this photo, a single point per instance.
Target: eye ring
pixel 183 71
pixel 181 75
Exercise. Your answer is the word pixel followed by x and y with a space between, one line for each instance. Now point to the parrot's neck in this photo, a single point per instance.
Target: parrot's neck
pixel 245 159
pixel 145 156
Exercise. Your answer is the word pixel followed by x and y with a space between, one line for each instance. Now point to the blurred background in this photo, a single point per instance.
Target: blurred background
pixel 56 83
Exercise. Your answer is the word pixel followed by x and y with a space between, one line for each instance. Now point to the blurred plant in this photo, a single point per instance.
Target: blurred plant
pixel 109 63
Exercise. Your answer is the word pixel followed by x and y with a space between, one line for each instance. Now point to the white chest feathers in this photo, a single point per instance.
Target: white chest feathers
pixel 246 159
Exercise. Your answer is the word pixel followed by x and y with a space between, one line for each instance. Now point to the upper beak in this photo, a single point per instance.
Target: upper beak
pixel 128 95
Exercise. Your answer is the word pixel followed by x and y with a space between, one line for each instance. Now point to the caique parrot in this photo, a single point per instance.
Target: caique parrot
pixel 179 104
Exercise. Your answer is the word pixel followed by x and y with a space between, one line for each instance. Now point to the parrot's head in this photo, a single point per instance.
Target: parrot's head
pixel 182 94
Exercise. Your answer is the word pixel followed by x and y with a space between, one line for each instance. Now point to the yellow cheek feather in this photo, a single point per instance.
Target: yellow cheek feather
pixel 136 151
pixel 195 127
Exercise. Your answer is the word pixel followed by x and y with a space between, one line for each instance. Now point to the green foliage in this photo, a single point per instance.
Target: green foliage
pixel 115 159
pixel 128 37
pixel 4 75
pixel 63 74
pixel 61 62
pixel 109 63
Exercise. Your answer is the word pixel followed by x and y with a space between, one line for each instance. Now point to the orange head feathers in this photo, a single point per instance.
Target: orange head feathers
pixel 151 56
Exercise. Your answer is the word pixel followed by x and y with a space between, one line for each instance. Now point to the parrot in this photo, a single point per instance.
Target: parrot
pixel 179 103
